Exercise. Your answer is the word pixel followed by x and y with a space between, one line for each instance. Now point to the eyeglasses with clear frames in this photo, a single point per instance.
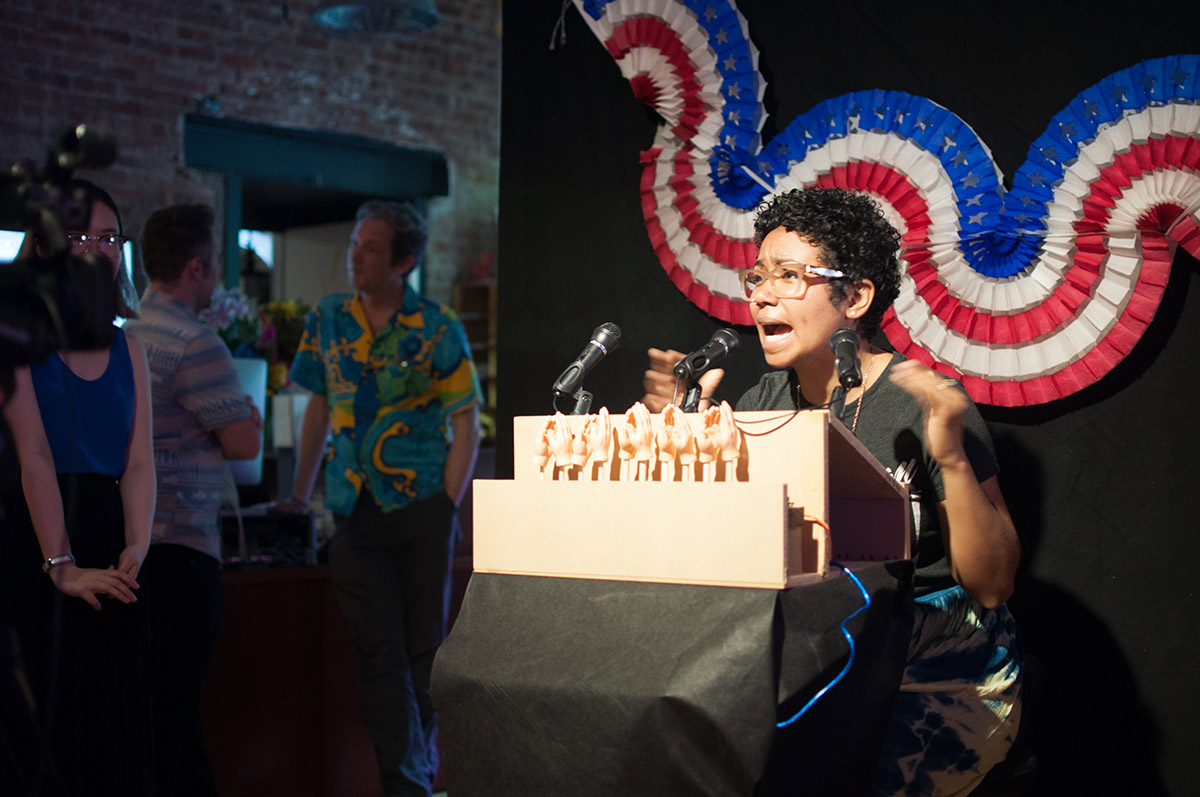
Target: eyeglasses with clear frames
pixel 787 282
pixel 109 244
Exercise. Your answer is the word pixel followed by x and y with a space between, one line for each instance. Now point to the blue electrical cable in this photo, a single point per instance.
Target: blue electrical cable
pixel 849 640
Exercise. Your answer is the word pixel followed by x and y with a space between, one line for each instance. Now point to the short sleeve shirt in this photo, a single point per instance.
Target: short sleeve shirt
pixel 389 396
pixel 195 391
pixel 892 428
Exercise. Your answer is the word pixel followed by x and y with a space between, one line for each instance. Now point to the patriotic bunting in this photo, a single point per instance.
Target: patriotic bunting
pixel 1027 295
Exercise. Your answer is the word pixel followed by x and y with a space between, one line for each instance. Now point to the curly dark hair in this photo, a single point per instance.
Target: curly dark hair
pixel 853 237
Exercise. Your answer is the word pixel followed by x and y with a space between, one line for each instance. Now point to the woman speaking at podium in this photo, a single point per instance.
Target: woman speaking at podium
pixel 827 271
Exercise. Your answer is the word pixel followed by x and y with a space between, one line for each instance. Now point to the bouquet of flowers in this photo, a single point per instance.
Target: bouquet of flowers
pixel 287 320
pixel 272 332
pixel 238 320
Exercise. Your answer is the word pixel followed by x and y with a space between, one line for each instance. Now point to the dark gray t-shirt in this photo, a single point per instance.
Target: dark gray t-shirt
pixel 891 427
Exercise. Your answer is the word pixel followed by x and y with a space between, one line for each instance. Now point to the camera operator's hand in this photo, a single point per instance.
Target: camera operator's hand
pixel 89 583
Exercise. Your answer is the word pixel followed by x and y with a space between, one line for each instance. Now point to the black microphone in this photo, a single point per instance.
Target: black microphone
pixel 720 346
pixel 845 353
pixel 605 338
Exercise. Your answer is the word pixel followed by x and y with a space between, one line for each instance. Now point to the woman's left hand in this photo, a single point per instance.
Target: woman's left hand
pixel 944 405
pixel 130 561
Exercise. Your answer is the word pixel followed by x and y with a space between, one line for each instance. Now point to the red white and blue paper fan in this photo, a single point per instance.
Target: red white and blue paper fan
pixel 1026 295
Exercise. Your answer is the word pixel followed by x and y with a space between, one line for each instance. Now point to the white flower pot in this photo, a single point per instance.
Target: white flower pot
pixel 252 371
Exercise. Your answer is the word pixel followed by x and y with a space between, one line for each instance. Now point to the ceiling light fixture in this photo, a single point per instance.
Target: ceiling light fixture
pixel 405 19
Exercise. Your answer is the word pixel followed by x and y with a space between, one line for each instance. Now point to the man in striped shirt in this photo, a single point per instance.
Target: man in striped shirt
pixel 201 418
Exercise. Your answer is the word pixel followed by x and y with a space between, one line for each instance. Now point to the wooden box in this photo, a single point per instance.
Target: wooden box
pixel 805 491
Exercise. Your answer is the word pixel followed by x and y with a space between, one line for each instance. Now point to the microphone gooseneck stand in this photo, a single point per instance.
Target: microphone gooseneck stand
pixel 583 401
pixel 691 397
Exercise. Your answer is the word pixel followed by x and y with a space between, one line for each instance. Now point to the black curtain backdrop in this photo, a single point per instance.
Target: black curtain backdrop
pixel 1100 484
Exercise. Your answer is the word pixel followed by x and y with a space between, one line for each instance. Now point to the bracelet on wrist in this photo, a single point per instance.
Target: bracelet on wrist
pixel 55 561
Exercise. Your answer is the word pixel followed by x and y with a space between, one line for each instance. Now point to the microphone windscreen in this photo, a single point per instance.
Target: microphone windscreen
pixel 728 337
pixel 607 335
pixel 844 335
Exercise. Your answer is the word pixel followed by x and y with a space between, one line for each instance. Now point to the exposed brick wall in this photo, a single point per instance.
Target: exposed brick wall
pixel 137 66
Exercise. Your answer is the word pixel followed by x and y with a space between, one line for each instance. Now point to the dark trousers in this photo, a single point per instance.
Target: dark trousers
pixel 186 600
pixel 391 573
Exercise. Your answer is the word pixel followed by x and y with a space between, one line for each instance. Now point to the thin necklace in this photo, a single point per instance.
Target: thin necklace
pixel 862 396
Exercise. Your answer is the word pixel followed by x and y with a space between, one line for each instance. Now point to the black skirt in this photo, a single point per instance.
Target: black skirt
pixel 77 699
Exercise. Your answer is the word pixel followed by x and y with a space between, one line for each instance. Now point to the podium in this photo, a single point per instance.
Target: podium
pixel 647 637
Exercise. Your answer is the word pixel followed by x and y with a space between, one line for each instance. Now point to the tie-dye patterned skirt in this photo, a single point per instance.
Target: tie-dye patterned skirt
pixel 959 705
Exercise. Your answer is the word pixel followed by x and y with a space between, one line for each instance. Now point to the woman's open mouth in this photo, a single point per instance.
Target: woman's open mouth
pixel 775 332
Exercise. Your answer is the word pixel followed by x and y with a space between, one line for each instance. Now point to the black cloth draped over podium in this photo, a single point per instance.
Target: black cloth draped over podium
pixel 560 686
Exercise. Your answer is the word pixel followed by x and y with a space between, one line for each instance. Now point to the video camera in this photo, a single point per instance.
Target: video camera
pixel 51 299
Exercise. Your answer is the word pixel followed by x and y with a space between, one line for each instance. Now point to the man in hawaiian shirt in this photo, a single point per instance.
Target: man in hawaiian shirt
pixel 391 377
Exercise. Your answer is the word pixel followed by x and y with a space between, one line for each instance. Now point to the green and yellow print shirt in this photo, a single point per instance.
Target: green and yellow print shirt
pixel 389 396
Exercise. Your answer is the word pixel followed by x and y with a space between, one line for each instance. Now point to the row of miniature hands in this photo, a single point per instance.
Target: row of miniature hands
pixel 636 442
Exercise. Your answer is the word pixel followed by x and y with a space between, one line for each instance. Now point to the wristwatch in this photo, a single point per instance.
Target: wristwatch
pixel 55 561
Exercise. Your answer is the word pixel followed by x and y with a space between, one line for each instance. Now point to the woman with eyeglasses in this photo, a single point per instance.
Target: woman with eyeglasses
pixel 827 261
pixel 74 538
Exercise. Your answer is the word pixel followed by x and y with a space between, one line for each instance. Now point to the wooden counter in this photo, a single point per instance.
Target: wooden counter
pixel 280 705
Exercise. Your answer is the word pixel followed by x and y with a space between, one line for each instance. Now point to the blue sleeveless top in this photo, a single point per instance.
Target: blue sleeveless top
pixel 103 408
